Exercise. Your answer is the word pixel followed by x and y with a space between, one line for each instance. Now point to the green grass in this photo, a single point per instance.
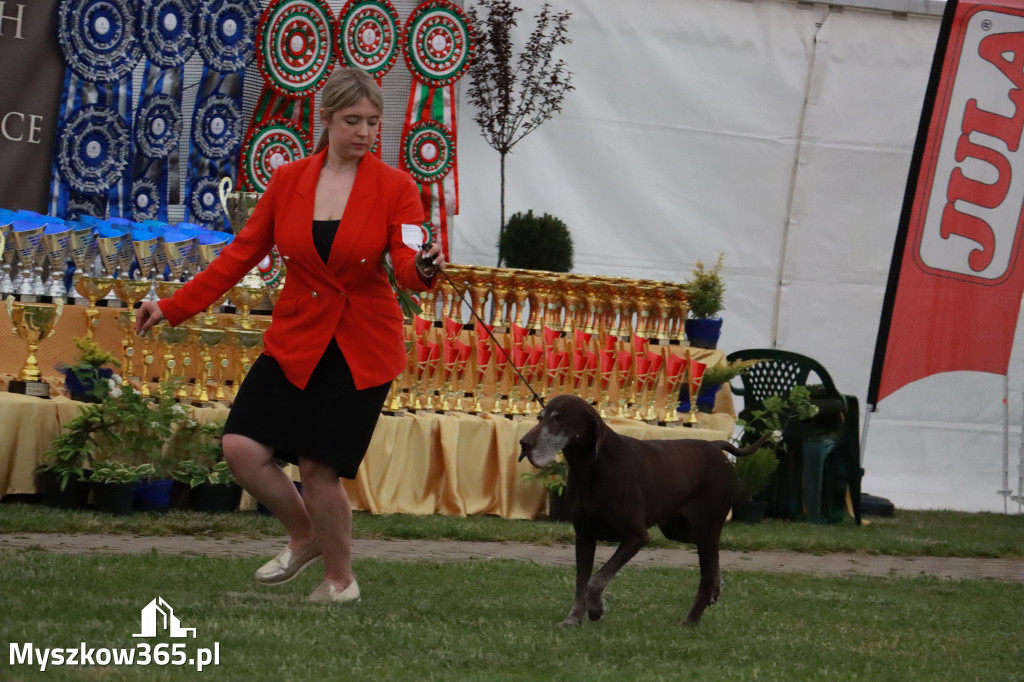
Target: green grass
pixel 924 533
pixel 497 621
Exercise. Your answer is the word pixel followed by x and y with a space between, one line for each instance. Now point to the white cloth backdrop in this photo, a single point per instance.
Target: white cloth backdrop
pixel 777 133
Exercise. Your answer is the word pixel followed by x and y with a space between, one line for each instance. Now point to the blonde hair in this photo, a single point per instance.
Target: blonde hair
pixel 346 88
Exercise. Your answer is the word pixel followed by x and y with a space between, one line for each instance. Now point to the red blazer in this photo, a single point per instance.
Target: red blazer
pixel 347 298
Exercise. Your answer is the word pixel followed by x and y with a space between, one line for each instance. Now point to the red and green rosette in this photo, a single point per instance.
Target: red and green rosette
pixel 272 144
pixel 439 46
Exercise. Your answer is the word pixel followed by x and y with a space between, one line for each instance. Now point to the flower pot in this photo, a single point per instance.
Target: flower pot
pixel 114 498
pixel 74 496
pixel 558 507
pixel 705 399
pixel 214 498
pixel 153 495
pixel 181 495
pixel 83 391
pixel 703 332
pixel 748 511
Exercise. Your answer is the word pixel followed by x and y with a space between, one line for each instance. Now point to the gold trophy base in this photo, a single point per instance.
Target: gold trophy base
pixel 36 389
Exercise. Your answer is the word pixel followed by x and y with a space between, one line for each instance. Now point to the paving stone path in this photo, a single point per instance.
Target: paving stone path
pixel 555 555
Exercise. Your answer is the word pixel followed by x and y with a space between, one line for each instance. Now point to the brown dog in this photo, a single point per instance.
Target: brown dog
pixel 618 487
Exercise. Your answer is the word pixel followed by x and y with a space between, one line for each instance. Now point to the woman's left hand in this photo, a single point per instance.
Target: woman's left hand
pixel 430 261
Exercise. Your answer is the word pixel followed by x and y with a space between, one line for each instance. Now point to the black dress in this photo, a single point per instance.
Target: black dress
pixel 330 421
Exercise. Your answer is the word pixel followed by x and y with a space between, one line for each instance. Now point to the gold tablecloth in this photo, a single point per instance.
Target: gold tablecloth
pixel 455 464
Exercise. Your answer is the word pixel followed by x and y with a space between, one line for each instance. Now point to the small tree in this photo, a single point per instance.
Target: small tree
pixel 513 96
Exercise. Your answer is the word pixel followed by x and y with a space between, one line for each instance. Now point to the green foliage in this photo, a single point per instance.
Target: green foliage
pixel 196 451
pixel 409 306
pixel 84 374
pixel 90 353
pixel 754 472
pixel 705 290
pixel 125 427
pixel 536 243
pixel 716 375
pixel 112 471
pixel 553 476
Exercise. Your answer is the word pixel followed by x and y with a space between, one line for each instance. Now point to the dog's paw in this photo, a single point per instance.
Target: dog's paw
pixel 573 619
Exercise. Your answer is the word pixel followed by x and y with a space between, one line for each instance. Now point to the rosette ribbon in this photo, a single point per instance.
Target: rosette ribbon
pixel 368 36
pixel 295 53
pixel 167 42
pixel 225 33
pixel 98 39
pixel 438 45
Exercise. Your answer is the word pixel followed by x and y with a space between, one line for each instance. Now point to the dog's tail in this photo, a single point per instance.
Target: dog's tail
pixel 742 452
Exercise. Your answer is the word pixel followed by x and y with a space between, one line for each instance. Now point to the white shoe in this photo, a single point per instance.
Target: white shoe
pixel 286 565
pixel 328 592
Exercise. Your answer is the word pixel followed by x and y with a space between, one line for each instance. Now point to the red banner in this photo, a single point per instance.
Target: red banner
pixel 955 285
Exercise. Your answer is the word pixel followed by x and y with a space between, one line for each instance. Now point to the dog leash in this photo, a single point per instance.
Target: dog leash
pixel 462 298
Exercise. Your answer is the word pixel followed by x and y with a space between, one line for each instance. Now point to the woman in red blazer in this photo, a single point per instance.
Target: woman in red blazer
pixel 335 341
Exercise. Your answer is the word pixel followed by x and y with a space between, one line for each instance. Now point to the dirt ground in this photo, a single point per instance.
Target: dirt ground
pixel 555 555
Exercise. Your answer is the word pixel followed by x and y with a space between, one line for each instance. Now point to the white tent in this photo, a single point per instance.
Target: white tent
pixel 779 133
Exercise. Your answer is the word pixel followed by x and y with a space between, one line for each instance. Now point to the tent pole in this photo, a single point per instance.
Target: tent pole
pixel 1005 491
pixel 864 433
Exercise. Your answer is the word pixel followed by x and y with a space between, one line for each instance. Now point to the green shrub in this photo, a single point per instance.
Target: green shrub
pixel 705 290
pixel 536 243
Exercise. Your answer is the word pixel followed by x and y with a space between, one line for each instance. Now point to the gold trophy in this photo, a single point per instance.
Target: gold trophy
pixel 247 296
pixel 206 339
pixel 33 323
pixel 245 340
pixel 172 338
pixel 83 252
pixel 131 291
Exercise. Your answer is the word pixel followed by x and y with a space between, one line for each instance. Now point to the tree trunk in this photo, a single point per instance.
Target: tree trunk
pixel 501 227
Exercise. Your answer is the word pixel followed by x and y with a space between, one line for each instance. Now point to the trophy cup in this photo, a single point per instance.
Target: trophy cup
pixel 33 323
pixel 28 241
pixel 238 206
pixel 501 281
pixel 675 368
pixel 144 246
pixel 131 291
pixel 246 297
pixel 109 248
pixel 56 246
pixel 7 255
pixel 245 340
pixel 171 338
pixel 695 374
pixel 205 339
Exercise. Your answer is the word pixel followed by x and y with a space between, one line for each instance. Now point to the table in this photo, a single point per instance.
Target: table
pixel 451 464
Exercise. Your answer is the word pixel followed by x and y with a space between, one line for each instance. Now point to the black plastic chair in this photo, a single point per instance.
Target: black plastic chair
pixel 822 458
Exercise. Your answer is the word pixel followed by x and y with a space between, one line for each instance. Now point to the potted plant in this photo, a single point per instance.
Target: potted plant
pixel 211 485
pixel 754 472
pixel 714 377
pixel 114 484
pixel 554 478
pixel 64 476
pixel 704 296
pixel 536 243
pixel 88 378
pixel 124 428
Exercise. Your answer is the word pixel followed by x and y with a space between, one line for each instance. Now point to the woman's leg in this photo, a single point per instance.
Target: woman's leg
pixel 331 513
pixel 253 465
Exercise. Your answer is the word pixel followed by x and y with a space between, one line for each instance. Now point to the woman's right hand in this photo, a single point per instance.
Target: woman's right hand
pixel 149 313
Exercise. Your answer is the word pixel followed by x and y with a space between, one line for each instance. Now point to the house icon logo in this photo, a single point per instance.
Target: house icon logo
pixel 159 614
